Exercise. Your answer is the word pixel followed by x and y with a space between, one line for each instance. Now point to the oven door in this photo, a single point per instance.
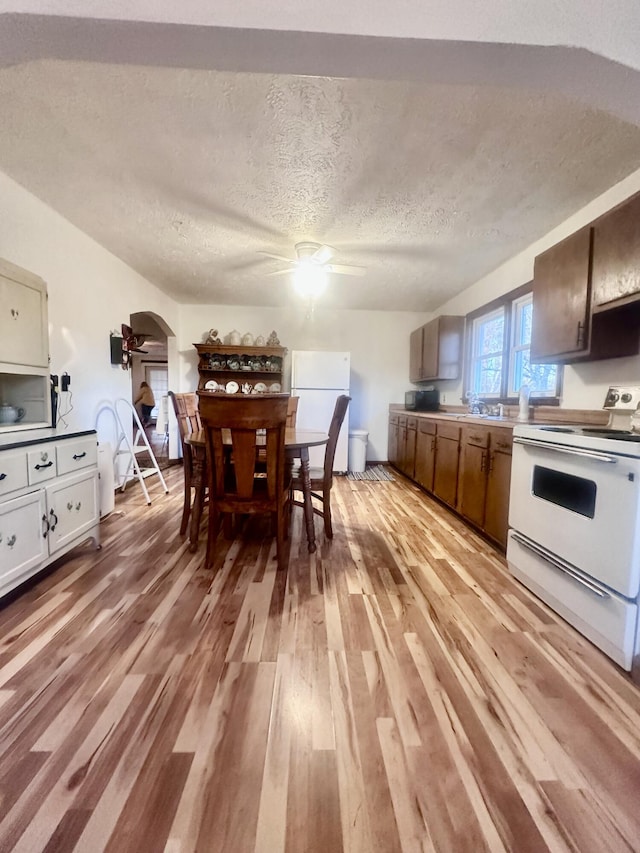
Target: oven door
pixel 580 505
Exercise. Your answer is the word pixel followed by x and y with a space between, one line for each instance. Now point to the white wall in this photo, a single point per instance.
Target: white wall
pixel 378 342
pixel 91 293
pixel 584 385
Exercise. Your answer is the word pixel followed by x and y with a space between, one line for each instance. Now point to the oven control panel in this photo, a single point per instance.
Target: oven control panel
pixel 622 398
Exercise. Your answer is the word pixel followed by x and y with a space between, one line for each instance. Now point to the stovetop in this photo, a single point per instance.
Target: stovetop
pixel 617 438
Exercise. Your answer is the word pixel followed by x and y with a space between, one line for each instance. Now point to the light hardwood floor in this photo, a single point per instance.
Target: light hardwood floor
pixel 395 691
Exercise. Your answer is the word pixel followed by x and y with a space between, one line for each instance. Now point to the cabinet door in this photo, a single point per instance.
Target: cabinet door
pixel 415 355
pixel 23 543
pixel 392 451
pixel 561 299
pixel 616 255
pixel 72 506
pixel 430 367
pixel 474 455
pixel 23 319
pixel 445 478
pixel 496 521
pixel 425 453
pixel 409 450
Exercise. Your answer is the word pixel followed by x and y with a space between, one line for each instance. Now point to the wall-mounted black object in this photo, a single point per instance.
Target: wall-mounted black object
pixel 54 399
pixel 119 353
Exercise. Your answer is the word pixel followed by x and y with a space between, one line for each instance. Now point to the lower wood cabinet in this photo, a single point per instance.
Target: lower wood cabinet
pixel 468 467
pixel 496 513
pixel 425 453
pixel 393 441
pixel 485 474
pixel 447 462
pixel 402 443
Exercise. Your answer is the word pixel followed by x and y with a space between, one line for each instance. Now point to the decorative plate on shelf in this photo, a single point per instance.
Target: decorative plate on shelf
pixel 259 387
pixel 211 385
pixel 232 387
pixel 275 388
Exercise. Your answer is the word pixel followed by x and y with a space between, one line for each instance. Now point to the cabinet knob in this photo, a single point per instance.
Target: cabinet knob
pixel 11 541
pixel 3 476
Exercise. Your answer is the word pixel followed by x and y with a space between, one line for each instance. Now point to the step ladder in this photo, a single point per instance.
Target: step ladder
pixel 124 412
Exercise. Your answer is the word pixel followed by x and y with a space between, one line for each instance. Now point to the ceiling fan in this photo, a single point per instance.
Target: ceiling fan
pixel 309 254
pixel 132 341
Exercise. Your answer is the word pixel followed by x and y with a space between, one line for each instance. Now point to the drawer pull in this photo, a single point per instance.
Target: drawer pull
pixel 46 465
pixel 80 455
pixel 3 476
pixel 52 526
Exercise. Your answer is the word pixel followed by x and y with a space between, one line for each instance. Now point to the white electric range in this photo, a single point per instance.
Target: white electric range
pixel 574 518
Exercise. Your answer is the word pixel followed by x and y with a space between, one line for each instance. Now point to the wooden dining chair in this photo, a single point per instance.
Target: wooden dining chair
pixel 292 411
pixel 185 407
pixel 322 478
pixel 234 428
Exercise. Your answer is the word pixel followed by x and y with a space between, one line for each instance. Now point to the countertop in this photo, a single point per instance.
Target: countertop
pixel 23 438
pixel 540 415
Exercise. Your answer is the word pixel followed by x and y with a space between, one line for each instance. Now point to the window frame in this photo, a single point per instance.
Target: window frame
pixel 506 303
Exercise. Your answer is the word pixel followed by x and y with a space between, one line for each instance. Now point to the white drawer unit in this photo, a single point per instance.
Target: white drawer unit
pixel 41 463
pixel 13 471
pixel 75 455
pixel 48 502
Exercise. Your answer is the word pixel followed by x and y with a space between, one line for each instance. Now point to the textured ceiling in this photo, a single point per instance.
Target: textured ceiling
pixel 187 175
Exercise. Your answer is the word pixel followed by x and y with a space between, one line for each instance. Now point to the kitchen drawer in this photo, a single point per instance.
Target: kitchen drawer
pixel 412 422
pixel 607 619
pixel 41 464
pixel 477 436
pixel 448 430
pixel 13 471
pixel 502 441
pixel 76 454
pixel 426 427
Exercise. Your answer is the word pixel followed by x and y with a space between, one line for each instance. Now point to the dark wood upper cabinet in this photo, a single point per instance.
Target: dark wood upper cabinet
pixel 561 278
pixel 586 292
pixel 616 256
pixel 435 350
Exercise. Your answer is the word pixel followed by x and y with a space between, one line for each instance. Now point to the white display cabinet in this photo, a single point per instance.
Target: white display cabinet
pixel 24 348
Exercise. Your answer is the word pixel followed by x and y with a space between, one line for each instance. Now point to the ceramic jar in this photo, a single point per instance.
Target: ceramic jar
pixel 234 338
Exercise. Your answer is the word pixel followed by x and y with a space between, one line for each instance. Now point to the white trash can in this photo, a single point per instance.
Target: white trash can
pixel 358 450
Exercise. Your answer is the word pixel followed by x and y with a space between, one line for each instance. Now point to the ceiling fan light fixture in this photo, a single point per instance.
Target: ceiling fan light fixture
pixel 309 279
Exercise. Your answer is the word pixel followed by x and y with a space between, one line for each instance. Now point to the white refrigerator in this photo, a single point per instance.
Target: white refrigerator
pixel 318 379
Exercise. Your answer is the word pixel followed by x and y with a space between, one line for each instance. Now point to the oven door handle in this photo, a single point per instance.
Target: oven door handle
pixel 559 564
pixel 570 451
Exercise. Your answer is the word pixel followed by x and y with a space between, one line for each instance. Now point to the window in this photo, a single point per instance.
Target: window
pixel 498 345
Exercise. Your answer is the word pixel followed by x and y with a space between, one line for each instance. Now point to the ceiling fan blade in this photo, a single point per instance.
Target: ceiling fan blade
pixel 343 269
pixel 322 255
pixel 279 257
pixel 280 272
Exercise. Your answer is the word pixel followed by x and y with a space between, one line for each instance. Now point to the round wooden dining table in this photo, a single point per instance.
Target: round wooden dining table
pixel 296 442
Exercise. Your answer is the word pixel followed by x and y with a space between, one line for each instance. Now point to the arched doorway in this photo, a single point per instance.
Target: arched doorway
pixel 156 364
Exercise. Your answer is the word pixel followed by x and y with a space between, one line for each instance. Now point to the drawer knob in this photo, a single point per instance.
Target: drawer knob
pixel 11 541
